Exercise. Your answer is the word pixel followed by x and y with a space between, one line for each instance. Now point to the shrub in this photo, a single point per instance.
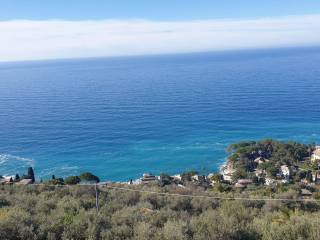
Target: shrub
pixel 17 178
pixel 87 176
pixel 165 179
pixel 57 181
pixel 187 176
pixel 71 180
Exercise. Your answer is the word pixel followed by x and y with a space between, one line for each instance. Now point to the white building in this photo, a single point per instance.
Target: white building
pixel 259 172
pixel 285 171
pixel 270 181
pixel 261 160
pixel 316 154
pixel 24 182
pixel 316 177
pixel 177 177
pixel 147 177
pixel 227 172
pixel 245 181
pixel 195 178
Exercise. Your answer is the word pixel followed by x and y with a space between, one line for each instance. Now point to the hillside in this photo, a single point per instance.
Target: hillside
pixel 69 212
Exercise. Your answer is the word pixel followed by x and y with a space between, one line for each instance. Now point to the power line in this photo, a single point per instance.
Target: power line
pixel 178 194
pixel 213 197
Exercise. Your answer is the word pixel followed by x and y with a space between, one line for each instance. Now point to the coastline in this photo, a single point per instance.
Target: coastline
pixel 243 168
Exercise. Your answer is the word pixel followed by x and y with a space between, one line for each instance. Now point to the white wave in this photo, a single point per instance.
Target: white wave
pixel 8 158
pixel 11 164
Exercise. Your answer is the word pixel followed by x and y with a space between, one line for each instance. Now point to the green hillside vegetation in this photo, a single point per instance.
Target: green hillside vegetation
pixel 235 204
pixel 292 154
pixel 69 212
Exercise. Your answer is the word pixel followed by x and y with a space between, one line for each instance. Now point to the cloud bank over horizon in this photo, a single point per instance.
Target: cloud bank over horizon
pixel 52 39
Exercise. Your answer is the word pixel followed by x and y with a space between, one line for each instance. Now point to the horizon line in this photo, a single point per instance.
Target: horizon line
pixel 222 51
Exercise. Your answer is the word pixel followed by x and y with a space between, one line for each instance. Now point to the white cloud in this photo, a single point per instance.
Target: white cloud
pixel 26 39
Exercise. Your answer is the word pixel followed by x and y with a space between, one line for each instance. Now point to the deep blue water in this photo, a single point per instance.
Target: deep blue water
pixel 120 117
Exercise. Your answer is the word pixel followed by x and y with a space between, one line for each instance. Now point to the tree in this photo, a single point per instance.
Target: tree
pixel 238 174
pixel 309 176
pixel 17 178
pixel 300 175
pixel 217 177
pixel 271 169
pixel 87 176
pixel 71 180
pixel 187 176
pixel 57 181
pixel 30 174
pixel 165 179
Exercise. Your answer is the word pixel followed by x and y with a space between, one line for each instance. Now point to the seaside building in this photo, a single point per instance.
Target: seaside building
pixel 24 182
pixel 270 181
pixel 316 154
pixel 316 176
pixel 285 180
pixel 6 180
pixel 227 172
pixel 306 193
pixel 199 178
pixel 147 177
pixel 285 171
pixel 259 172
pixel 244 181
pixel 260 160
pixel 227 177
pixel 177 177
pixel 195 178
pixel 239 185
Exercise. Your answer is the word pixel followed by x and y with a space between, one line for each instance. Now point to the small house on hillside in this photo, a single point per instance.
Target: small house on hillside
pixel 195 178
pixel 270 181
pixel 227 172
pixel 306 193
pixel 177 177
pixel 147 177
pixel 285 171
pixel 24 182
pixel 245 181
pixel 316 176
pixel 261 160
pixel 259 172
pixel 2 181
pixel 239 185
pixel 199 178
pixel 316 154
pixel 6 180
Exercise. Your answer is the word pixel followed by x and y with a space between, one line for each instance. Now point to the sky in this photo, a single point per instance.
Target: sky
pixel 37 29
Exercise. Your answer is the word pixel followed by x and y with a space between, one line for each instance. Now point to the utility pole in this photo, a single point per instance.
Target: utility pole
pixel 97 197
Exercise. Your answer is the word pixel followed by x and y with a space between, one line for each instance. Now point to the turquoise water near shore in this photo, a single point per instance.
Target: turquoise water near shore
pixel 121 117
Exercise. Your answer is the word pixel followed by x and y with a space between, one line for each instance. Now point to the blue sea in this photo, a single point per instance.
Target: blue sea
pixel 121 117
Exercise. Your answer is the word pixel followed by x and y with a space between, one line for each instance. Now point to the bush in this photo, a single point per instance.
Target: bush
pixel 71 180
pixel 87 176
pixel 50 212
pixel 187 176
pixel 165 179
pixel 58 181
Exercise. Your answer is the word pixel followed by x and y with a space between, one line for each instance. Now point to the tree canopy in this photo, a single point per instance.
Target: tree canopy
pixel 87 176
